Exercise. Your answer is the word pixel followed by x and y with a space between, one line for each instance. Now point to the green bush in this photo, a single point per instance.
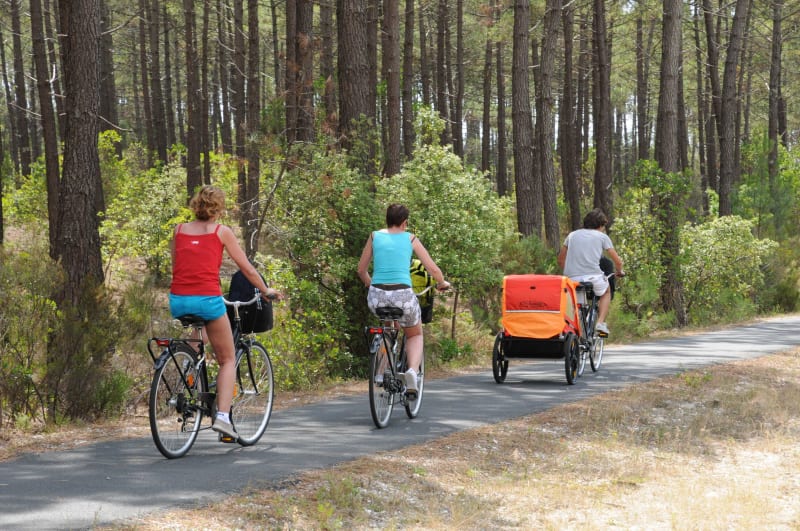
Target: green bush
pixel 722 268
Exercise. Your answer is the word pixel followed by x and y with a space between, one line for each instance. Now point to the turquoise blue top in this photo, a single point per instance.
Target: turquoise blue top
pixel 391 258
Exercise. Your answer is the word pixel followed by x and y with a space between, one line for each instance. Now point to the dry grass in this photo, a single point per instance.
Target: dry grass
pixel 707 449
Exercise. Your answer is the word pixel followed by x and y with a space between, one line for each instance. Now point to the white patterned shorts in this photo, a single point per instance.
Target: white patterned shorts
pixel 400 298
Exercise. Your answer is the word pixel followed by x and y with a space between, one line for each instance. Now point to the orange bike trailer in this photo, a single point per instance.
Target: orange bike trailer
pixel 539 320
pixel 539 306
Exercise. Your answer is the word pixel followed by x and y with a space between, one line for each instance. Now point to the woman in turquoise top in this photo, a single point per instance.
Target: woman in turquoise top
pixel 390 252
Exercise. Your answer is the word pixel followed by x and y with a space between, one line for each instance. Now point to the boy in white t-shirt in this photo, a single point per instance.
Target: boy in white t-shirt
pixel 579 258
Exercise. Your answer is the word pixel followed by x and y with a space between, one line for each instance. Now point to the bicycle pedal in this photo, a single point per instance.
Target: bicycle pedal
pixel 226 439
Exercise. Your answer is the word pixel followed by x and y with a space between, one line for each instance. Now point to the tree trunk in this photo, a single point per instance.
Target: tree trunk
pixel 224 88
pixel 424 61
pixel 326 64
pixel 290 84
pixel 108 89
pixel 568 127
pixel 774 99
pixel 643 53
pixel 703 113
pixel 305 72
pixel 193 171
pixel 408 81
pixel 546 119
pixel 169 106
pixel 527 219
pixel 668 203
pixel 156 92
pixel 23 142
pixel 250 207
pixel 77 236
pixel 149 129
pixel 602 110
pixel 458 75
pixel 502 142
pixel 729 108
pixel 486 120
pixel 442 103
pixel 239 105
pixel 48 120
pixel 51 39
pixel 12 110
pixel 202 121
pixel 351 19
pixel 391 76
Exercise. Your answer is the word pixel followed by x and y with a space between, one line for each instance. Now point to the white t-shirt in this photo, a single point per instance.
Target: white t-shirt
pixel 585 247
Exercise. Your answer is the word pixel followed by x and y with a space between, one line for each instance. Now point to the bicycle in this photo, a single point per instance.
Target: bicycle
pixel 591 343
pixel 387 367
pixel 182 393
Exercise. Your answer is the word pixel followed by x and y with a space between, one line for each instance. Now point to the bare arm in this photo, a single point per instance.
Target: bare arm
pixel 617 261
pixel 236 253
pixel 562 257
pixel 363 263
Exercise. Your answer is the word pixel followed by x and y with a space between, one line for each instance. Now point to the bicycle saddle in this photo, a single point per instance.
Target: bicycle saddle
pixel 389 312
pixel 191 320
pixel 586 287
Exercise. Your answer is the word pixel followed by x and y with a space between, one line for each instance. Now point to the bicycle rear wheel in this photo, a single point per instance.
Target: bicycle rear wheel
pixel 572 355
pixel 381 401
pixel 596 353
pixel 174 416
pixel 253 394
pixel 412 406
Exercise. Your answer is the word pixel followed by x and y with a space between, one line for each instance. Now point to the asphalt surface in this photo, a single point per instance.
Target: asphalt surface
pixel 120 480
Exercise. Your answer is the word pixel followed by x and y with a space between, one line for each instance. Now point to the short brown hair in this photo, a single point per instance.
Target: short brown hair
pixel 396 214
pixel 208 202
pixel 595 219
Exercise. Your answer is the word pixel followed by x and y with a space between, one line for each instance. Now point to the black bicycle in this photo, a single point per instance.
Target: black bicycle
pixel 591 343
pixel 184 391
pixel 387 366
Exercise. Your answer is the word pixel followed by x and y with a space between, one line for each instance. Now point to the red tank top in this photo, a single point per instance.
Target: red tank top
pixel 198 258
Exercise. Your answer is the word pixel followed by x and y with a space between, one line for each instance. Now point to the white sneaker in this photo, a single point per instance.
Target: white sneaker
pixel 602 329
pixel 412 387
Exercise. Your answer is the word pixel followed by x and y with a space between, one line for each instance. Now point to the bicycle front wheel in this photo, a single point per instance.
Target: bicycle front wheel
pixel 381 401
pixel 412 406
pixel 596 353
pixel 174 416
pixel 252 400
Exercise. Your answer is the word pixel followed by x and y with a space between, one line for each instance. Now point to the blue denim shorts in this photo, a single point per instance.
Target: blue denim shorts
pixel 207 307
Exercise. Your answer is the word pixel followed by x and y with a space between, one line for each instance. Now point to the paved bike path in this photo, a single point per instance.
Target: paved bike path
pixel 104 482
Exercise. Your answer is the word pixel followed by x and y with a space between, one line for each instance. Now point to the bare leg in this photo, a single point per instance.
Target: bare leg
pixel 603 304
pixel 414 345
pixel 221 339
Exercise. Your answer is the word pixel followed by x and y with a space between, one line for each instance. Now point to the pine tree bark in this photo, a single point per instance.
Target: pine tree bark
pixel 23 140
pixel 391 76
pixel 502 142
pixel 194 177
pixel 728 165
pixel 408 81
pixel 351 19
pixel 568 125
pixel 48 120
pixel 547 120
pixel 250 207
pixel 529 223
pixel 77 236
pixel 667 203
pixel 602 109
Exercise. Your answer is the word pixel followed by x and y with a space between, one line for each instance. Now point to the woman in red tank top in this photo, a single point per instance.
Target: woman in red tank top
pixel 196 260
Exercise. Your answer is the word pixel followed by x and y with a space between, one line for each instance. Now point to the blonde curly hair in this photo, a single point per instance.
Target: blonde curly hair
pixel 208 203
